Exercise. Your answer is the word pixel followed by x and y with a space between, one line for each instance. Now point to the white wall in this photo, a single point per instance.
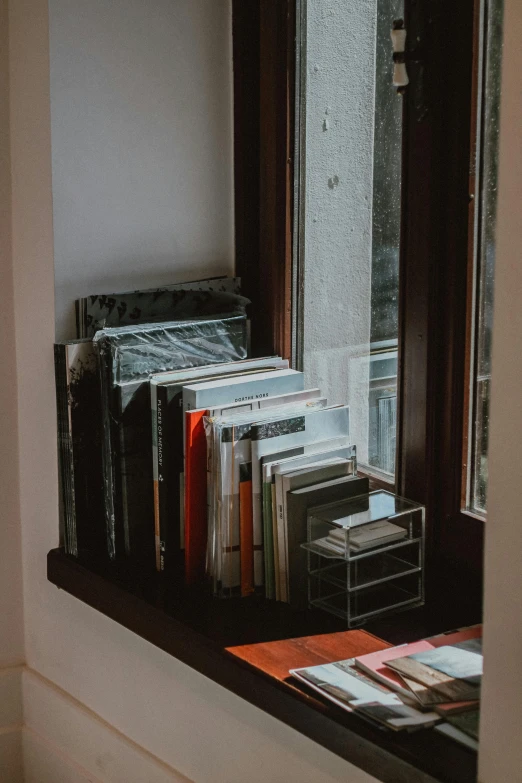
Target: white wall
pixel 11 593
pixel 501 721
pixel 185 720
pixel 141 113
pixel 11 602
pixel 11 760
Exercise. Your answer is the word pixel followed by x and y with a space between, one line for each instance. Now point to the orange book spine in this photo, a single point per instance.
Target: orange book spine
pixel 246 529
pixel 195 497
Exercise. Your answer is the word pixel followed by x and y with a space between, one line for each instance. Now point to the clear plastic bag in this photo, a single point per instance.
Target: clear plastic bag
pixel 169 303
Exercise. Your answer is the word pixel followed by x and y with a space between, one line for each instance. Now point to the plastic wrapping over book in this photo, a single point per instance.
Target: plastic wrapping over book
pixel 229 453
pixel 174 302
pixel 128 356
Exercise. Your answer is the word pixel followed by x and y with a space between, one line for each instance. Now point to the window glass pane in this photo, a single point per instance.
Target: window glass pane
pixel 487 165
pixel 350 153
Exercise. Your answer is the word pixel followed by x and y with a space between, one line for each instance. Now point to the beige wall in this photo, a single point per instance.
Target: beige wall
pixel 11 604
pixel 501 729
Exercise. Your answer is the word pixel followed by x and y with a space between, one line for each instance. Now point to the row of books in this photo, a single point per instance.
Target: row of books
pixel 259 448
pixel 265 466
pixel 434 682
pixel 103 402
pixel 240 448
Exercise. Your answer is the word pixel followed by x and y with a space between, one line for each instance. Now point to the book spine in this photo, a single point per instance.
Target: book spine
pixel 281 540
pixel 110 438
pixel 257 519
pixel 297 558
pixel 275 540
pixel 286 488
pixel 65 451
pixel 186 406
pixel 171 475
pixel 232 453
pixel 155 482
pixel 160 478
pixel 210 561
pixel 246 529
pixel 195 497
pixel 268 540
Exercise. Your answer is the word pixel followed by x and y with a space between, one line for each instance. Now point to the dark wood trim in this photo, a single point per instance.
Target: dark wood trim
pixel 276 109
pixel 433 276
pixel 416 274
pixel 459 537
pixel 473 184
pixel 264 101
pixel 423 757
pixel 246 67
pixel 434 237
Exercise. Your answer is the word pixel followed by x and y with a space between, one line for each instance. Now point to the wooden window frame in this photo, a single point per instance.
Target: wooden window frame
pixel 264 129
pixel 434 293
pixel 435 235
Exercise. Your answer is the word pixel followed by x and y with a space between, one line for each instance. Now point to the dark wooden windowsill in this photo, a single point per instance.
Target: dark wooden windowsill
pixel 196 629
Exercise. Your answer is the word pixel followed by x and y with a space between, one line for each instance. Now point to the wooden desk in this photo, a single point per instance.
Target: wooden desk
pixel 274 659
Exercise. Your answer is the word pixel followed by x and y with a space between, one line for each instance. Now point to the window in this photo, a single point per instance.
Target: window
pixel 347 283
pixel 488 59
pixel 358 263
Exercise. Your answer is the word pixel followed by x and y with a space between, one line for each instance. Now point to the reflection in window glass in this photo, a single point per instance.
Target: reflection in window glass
pixel 385 248
pixel 350 153
pixel 487 166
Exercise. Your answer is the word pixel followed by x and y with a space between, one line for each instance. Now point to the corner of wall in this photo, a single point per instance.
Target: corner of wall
pixel 64 740
pixel 11 761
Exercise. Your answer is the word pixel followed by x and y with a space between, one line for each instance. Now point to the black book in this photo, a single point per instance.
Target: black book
pixel 80 447
pixel 297 504
pixel 128 356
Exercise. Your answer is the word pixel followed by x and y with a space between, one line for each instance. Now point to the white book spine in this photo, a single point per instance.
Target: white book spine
pixel 257 518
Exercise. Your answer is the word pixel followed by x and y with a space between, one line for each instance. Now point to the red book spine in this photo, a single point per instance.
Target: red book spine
pixel 195 497
pixel 246 530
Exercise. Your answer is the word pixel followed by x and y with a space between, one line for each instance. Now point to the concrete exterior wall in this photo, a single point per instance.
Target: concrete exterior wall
pixel 340 97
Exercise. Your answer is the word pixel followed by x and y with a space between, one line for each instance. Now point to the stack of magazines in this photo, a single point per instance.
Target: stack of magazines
pixel 434 682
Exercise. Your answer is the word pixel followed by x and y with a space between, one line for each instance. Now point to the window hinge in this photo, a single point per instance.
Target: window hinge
pixel 400 73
